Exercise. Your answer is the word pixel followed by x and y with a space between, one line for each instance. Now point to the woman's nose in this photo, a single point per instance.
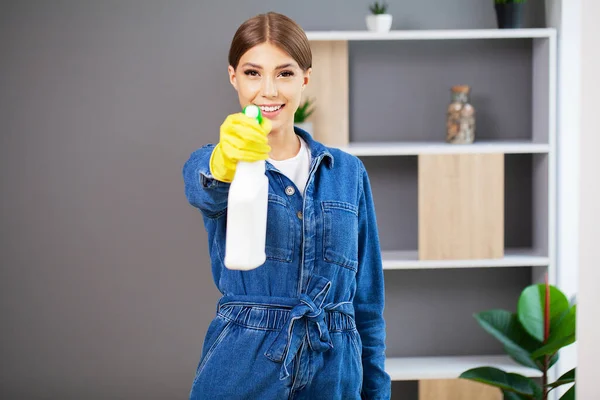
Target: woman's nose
pixel 269 87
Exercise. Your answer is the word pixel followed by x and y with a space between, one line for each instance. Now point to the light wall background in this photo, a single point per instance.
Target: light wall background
pixel 588 326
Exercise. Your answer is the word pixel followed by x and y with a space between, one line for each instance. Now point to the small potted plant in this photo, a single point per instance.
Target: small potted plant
pixel 301 115
pixel 379 20
pixel 509 13
pixel 544 323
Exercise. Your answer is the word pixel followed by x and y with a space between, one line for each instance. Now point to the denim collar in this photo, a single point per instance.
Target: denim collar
pixel 317 149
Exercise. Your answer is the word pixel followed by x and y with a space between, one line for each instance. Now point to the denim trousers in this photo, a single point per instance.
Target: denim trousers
pixel 263 347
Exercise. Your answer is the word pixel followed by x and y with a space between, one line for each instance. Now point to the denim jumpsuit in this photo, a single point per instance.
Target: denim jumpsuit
pixel 308 323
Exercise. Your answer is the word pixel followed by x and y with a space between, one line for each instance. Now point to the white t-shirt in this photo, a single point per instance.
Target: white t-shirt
pixel 297 167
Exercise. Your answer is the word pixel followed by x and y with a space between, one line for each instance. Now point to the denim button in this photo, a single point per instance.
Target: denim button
pixel 299 214
pixel 289 190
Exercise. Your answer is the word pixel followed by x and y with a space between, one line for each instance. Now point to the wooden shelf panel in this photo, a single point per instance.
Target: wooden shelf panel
pixel 416 148
pixel 418 368
pixel 329 84
pixel 461 206
pixel 442 34
pixel 409 259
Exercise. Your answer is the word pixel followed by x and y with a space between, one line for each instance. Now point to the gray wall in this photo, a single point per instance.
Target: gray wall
pixel 106 289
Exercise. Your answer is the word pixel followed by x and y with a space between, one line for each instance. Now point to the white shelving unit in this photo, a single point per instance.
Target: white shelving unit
pixel 443 34
pixel 418 368
pixel 512 258
pixel 540 145
pixel 416 148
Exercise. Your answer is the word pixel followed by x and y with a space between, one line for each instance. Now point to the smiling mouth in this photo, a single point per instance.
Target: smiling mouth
pixel 270 109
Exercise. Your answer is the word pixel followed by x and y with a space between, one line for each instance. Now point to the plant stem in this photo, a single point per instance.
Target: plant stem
pixel 545 378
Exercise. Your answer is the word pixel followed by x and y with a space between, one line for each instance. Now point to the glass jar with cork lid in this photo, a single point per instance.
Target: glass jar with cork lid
pixel 460 117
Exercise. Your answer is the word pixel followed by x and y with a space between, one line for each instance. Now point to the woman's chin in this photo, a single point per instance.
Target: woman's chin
pixel 277 128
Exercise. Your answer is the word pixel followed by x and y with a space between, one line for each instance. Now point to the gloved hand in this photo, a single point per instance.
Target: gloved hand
pixel 241 139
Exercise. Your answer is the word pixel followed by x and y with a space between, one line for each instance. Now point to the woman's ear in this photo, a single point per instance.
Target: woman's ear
pixel 232 77
pixel 306 78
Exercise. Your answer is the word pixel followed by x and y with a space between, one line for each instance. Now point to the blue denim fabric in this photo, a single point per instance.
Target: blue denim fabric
pixel 309 322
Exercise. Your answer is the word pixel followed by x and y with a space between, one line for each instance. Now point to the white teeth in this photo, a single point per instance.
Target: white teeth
pixel 270 109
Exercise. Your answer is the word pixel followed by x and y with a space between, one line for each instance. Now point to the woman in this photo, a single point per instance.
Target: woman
pixel 308 323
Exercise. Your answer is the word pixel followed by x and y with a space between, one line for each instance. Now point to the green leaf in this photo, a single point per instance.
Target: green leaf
pixel 562 335
pixel 377 8
pixel 567 377
pixel 505 327
pixel 513 396
pixel 503 380
pixel 531 304
pixel 303 112
pixel 553 346
pixel 537 390
pixel 522 357
pixel 569 395
pixel 565 326
pixel 558 321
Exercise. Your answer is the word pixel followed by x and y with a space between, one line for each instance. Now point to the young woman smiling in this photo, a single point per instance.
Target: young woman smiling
pixel 308 323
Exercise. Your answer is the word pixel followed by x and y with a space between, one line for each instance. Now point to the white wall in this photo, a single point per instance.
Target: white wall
pixel 588 325
pixel 565 15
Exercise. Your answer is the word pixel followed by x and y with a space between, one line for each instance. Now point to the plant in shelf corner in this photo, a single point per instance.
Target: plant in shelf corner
pixel 543 324
pixel 379 20
pixel 301 115
pixel 377 8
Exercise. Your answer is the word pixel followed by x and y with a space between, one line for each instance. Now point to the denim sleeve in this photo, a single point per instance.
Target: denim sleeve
pixel 369 299
pixel 202 190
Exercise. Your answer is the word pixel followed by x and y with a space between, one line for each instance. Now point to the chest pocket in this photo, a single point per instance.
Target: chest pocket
pixel 280 234
pixel 340 233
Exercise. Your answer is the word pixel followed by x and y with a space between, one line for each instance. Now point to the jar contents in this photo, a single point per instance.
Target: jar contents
pixel 460 118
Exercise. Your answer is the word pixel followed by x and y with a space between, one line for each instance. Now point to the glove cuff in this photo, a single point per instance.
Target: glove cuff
pixel 217 166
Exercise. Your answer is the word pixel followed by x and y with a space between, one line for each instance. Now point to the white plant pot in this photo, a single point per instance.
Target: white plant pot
pixel 307 126
pixel 379 23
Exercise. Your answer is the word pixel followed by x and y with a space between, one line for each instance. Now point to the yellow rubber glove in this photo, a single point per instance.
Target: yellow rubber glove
pixel 241 139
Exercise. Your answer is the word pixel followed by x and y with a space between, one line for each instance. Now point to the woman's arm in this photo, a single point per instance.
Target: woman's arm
pixel 202 190
pixel 369 298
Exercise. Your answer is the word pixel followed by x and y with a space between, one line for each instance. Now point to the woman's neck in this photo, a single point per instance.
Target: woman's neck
pixel 284 144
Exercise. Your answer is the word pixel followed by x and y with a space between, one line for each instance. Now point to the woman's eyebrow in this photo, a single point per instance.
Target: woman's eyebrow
pixel 282 66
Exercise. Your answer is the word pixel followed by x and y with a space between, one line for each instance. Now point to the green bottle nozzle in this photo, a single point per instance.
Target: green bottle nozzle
pixel 253 111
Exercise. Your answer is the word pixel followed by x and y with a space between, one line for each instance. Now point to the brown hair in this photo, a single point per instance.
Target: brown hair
pixel 273 28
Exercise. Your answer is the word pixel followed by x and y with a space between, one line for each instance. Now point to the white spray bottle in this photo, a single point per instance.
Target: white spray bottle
pixel 247 212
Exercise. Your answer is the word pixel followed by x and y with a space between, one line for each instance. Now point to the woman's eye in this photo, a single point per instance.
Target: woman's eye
pixel 251 72
pixel 287 73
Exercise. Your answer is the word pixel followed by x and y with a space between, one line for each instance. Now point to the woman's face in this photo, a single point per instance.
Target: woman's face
pixel 269 78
